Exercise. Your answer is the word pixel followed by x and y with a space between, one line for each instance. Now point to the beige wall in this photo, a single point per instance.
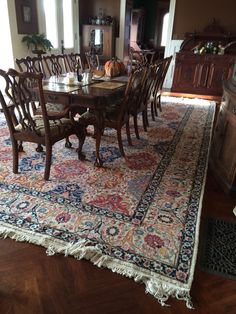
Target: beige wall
pixel 194 15
pixel 19 49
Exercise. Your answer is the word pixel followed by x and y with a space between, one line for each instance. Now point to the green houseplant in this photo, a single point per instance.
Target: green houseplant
pixel 38 43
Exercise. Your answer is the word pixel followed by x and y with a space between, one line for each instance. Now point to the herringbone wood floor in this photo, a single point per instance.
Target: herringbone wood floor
pixel 33 283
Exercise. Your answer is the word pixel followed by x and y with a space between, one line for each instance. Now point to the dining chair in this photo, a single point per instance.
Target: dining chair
pixel 25 126
pixel 117 114
pixel 73 61
pixel 138 99
pixel 54 64
pixel 92 60
pixel 149 75
pixel 36 65
pixel 30 65
pixel 158 88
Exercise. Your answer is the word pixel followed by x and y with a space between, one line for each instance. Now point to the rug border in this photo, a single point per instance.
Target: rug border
pixel 197 234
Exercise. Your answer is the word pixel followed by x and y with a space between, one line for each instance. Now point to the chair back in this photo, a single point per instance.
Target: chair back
pixel 166 64
pixel 19 114
pixel 30 64
pixel 73 62
pixel 142 57
pixel 161 70
pixel 132 92
pixel 55 64
pixel 92 60
pixel 153 76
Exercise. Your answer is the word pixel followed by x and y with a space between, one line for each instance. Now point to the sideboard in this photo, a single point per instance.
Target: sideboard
pixel 201 73
pixel 204 61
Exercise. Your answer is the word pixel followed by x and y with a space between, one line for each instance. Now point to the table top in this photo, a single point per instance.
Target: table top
pixel 64 84
pixel 96 88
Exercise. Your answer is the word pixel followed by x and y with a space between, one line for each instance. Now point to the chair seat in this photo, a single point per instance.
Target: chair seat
pixel 52 107
pixel 57 127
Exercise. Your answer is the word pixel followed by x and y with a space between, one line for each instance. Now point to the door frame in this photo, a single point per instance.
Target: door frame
pixel 170 28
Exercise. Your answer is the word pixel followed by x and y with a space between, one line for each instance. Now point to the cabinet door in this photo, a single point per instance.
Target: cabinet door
pixel 186 74
pixel 203 74
pixel 101 39
pixel 218 72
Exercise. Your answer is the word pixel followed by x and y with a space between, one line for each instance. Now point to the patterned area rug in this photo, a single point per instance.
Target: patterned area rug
pixel 138 216
pixel 218 247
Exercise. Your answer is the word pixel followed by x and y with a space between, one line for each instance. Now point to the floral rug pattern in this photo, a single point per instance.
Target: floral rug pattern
pixel 141 211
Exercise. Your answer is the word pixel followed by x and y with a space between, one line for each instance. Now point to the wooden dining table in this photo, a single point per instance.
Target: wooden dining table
pixel 93 96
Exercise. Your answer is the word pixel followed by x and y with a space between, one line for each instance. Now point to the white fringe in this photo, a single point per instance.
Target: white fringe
pixel 160 287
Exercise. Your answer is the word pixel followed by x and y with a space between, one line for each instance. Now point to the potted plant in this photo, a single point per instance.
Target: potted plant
pixel 38 43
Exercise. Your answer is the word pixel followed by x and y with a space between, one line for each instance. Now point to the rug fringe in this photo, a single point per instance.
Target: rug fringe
pixel 155 285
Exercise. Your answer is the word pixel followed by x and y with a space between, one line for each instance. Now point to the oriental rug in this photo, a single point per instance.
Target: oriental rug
pixel 218 247
pixel 138 216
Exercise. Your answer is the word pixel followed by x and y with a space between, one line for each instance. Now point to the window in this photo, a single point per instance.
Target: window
pixel 51 21
pixel 6 60
pixel 68 24
pixel 164 29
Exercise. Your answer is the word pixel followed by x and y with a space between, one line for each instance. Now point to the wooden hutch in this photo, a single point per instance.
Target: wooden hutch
pixel 205 59
pixel 99 38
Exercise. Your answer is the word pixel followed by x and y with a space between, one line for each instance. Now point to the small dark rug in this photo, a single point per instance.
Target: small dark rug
pixel 218 247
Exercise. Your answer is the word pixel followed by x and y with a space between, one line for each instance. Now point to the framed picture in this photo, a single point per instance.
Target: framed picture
pixel 26 16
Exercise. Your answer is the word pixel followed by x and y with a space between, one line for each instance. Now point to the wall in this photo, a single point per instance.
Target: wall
pixel 19 49
pixel 192 15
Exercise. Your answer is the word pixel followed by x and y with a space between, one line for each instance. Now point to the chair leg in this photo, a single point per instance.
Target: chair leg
pixel 146 115
pixel 20 147
pixel 159 103
pixel 120 142
pixel 98 161
pixel 152 110
pixel 15 156
pixel 68 144
pixel 145 120
pixel 155 107
pixel 128 133
pixel 48 162
pixel 136 127
pixel 39 148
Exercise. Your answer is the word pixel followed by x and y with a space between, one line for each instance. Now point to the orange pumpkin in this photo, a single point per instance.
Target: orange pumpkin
pixel 114 67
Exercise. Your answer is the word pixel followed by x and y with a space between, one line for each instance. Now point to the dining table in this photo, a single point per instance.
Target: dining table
pixel 92 96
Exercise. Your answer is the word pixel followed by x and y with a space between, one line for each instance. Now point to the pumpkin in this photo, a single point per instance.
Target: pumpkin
pixel 114 67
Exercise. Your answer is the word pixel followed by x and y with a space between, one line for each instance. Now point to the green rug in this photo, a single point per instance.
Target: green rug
pixel 218 247
pixel 138 216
